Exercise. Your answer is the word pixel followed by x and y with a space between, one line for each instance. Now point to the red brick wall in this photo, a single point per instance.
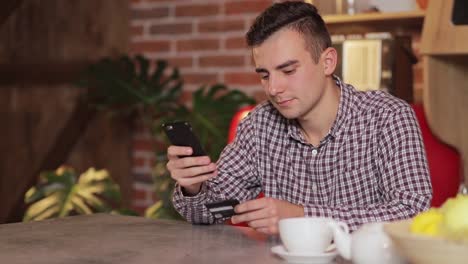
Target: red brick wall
pixel 205 39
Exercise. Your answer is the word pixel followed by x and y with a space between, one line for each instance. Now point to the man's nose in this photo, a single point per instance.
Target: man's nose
pixel 275 86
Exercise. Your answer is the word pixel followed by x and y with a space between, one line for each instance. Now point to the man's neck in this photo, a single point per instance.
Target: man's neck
pixel 317 124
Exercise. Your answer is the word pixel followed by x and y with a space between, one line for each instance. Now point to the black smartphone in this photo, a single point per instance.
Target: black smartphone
pixel 180 133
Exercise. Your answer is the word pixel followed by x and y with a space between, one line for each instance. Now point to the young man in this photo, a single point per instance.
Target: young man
pixel 317 147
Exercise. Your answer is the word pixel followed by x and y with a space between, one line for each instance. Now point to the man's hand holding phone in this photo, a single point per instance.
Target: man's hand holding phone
pixel 188 163
pixel 189 171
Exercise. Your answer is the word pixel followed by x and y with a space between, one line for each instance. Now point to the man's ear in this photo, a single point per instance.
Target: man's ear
pixel 329 60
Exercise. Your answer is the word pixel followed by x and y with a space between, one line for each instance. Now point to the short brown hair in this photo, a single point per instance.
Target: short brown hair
pixel 295 15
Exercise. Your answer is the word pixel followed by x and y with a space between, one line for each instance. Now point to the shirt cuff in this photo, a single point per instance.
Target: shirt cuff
pixel 198 199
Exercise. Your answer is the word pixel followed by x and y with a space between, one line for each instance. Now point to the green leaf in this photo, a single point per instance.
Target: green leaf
pixel 127 86
pixel 65 205
pixel 144 67
pixel 214 90
pixel 80 206
pixel 90 198
pixel 33 194
pixel 152 211
pixel 161 65
pixel 49 212
pixel 39 207
pixel 93 175
pixel 63 195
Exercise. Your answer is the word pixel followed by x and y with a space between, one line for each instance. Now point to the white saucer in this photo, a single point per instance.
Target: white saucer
pixel 322 258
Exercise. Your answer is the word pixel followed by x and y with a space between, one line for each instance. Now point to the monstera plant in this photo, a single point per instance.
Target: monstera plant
pixel 152 91
pixel 133 86
pixel 63 192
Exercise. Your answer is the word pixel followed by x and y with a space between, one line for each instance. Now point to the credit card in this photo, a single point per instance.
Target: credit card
pixel 222 209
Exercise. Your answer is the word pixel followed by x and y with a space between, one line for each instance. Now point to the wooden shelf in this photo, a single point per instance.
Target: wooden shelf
pixel 374 17
pixel 375 22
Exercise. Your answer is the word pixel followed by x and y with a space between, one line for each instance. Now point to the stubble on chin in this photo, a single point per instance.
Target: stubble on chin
pixel 288 114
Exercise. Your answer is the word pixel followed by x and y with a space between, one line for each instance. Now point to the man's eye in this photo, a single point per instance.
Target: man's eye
pixel 264 77
pixel 290 71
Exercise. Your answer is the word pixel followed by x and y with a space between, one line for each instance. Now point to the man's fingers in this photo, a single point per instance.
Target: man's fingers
pixel 193 161
pixel 251 216
pixel 187 162
pixel 264 230
pixel 261 223
pixel 260 214
pixel 271 230
pixel 193 171
pixel 194 180
pixel 267 225
pixel 188 171
pixel 252 205
pixel 174 151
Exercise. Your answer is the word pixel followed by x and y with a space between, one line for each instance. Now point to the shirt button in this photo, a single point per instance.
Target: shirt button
pixel 314 152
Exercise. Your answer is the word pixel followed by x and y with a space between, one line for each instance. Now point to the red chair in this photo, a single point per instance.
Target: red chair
pixel 444 162
pixel 243 112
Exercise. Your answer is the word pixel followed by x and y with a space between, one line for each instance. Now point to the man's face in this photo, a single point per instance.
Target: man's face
pixel 292 81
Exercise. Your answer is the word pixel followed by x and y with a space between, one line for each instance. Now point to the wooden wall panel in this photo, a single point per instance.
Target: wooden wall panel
pixel 31 120
pixel 8 7
pixel 43 46
pixel 58 31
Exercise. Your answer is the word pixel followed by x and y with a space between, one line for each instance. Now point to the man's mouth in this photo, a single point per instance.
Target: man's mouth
pixel 284 102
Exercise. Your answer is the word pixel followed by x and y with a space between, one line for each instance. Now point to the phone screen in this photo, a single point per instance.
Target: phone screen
pixel 181 134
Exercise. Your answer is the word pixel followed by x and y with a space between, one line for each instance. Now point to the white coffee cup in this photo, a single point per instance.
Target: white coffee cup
pixel 306 235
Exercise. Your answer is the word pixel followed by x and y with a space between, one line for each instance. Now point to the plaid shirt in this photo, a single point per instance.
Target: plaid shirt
pixel 370 167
